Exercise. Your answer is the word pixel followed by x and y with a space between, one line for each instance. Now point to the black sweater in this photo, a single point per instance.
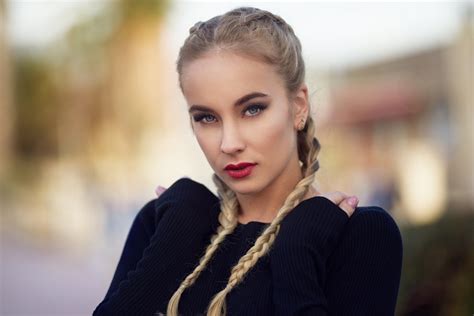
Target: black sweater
pixel 321 263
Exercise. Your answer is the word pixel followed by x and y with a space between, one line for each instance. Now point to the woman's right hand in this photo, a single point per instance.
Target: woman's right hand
pixel 159 189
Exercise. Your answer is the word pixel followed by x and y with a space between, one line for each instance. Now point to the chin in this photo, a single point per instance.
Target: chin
pixel 245 187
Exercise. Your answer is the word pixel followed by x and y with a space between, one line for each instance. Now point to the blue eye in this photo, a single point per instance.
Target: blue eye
pixel 200 117
pixel 255 109
pixel 259 107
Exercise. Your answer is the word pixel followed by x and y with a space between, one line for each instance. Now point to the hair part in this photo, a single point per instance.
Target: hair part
pixel 267 37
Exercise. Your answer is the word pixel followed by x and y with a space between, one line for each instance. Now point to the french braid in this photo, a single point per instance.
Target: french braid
pixel 260 34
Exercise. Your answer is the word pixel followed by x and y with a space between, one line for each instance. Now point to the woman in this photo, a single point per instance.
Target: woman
pixel 271 243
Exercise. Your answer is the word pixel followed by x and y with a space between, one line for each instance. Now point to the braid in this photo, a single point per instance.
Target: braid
pixel 265 241
pixel 257 33
pixel 308 148
pixel 228 222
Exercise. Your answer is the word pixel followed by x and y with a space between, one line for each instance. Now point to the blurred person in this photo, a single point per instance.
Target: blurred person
pixel 270 243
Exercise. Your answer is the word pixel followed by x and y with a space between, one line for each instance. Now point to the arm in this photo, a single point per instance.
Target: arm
pixel 179 216
pixel 365 268
pixel 137 240
pixel 306 238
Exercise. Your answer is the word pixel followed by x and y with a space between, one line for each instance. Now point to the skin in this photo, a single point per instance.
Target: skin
pixel 227 133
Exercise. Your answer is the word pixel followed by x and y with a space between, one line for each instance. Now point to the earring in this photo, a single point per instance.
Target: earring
pixel 301 125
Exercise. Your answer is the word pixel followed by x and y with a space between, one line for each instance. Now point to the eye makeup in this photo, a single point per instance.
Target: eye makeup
pixel 260 107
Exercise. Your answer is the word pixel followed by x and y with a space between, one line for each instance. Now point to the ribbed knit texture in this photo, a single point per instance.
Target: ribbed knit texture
pixel 321 263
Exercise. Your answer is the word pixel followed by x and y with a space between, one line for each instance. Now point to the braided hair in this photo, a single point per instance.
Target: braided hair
pixel 263 35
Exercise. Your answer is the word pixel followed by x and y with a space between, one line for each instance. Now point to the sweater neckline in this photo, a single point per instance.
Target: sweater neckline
pixel 252 223
pixel 261 224
pixel 257 223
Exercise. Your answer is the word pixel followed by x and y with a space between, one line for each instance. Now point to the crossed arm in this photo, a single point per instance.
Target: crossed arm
pixel 344 266
pixel 338 266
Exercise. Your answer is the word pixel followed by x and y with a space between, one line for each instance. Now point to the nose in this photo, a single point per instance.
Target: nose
pixel 231 140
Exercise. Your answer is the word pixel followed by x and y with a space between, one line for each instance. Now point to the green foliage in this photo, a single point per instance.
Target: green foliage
pixel 144 8
pixel 43 79
pixel 36 107
pixel 438 267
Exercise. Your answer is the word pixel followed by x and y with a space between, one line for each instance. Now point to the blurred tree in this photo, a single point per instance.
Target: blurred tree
pixel 132 9
pixel 37 108
pixel 438 268
pixel 6 108
pixel 82 108
pixel 88 93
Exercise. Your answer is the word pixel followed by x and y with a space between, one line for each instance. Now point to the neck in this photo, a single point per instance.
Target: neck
pixel 264 205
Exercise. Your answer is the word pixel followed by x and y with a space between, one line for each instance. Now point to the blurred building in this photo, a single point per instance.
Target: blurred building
pixel 407 124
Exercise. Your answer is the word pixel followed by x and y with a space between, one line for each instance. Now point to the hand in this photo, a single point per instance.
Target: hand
pixel 159 190
pixel 346 202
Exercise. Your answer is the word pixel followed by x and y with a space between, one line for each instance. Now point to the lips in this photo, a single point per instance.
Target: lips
pixel 242 172
pixel 239 166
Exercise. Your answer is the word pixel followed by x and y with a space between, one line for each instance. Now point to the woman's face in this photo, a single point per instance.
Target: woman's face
pixel 240 112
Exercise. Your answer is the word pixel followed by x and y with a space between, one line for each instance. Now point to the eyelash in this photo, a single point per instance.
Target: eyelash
pixel 260 107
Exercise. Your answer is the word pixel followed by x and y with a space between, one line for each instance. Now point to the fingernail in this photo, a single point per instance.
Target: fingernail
pixel 159 190
pixel 353 201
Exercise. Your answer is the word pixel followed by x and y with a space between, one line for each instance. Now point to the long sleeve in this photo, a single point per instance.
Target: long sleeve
pixel 137 240
pixel 180 220
pixel 308 235
pixel 365 269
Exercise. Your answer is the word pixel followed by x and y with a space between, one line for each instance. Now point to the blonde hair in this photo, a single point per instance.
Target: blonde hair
pixel 260 34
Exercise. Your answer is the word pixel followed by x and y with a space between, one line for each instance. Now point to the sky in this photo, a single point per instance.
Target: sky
pixel 333 34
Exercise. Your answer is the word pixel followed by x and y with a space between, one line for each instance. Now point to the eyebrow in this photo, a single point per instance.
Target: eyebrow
pixel 239 102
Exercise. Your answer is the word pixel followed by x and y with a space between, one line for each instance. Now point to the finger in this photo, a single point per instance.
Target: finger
pixel 349 205
pixel 159 190
pixel 336 197
pixel 344 201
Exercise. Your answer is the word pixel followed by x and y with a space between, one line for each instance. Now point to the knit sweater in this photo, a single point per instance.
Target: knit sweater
pixel 322 261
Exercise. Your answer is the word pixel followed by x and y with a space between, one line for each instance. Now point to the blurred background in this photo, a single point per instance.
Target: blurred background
pixel 90 106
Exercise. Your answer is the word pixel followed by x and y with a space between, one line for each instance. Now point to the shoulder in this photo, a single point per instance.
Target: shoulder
pixel 364 271
pixel 183 194
pixel 187 190
pixel 316 220
pixel 372 228
pixel 373 219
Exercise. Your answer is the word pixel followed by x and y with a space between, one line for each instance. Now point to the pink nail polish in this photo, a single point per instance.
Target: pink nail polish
pixel 159 190
pixel 353 201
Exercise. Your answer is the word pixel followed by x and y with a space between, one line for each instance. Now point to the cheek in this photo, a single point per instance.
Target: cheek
pixel 274 133
pixel 209 145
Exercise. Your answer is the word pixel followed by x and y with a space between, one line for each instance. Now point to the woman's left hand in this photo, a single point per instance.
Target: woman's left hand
pixel 346 202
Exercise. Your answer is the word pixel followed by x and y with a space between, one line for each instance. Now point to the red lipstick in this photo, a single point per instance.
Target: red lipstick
pixel 240 170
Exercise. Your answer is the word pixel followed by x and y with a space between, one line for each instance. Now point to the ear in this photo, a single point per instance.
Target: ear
pixel 300 105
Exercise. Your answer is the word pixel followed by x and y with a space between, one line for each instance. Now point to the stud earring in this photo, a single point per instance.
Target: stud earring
pixel 301 125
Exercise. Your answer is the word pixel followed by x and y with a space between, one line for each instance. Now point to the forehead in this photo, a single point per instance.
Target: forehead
pixel 228 76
